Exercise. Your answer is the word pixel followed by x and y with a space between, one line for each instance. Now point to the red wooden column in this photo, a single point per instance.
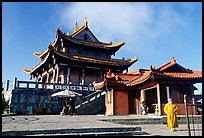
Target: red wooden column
pixel 137 103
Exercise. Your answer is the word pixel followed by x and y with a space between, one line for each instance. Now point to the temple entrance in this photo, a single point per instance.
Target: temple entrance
pixel 133 97
pixel 151 100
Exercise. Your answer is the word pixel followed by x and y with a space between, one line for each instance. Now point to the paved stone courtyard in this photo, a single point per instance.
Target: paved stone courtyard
pixel 39 125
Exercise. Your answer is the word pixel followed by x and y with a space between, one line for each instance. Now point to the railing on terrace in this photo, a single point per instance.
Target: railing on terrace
pixel 41 85
pixel 87 99
pixel 193 102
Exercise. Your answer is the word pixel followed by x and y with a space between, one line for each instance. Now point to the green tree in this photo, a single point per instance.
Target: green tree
pixel 4 104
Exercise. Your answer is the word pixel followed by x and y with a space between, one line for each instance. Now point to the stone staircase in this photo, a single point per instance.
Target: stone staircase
pixel 116 131
pixel 91 104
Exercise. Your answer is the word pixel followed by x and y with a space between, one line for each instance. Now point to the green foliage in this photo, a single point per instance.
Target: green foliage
pixel 4 105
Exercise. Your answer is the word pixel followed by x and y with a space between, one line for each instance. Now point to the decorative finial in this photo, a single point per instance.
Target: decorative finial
pixel 76 27
pixel 151 68
pixel 85 22
pixel 173 60
pixel 49 45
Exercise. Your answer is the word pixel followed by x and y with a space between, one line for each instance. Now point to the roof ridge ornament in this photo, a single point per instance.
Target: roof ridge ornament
pixel 110 74
pixel 49 45
pixel 57 31
pixel 76 27
pixel 85 22
pixel 173 60
pixel 152 69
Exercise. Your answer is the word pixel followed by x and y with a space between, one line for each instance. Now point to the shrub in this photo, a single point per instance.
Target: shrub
pixel 4 105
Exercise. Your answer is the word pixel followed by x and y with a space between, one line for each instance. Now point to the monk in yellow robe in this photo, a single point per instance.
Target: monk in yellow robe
pixel 170 109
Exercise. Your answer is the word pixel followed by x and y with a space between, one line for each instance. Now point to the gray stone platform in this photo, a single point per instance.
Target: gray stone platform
pixel 91 125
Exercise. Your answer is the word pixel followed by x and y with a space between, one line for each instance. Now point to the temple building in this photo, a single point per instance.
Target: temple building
pixel 126 91
pixel 78 58
pixel 81 60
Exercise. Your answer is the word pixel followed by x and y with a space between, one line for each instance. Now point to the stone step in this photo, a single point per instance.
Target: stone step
pixel 82 131
pixel 161 120
pixel 127 133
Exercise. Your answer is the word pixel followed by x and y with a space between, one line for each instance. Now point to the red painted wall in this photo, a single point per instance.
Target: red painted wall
pixel 121 104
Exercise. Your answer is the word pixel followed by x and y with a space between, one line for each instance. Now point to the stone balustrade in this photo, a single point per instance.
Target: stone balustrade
pixel 40 85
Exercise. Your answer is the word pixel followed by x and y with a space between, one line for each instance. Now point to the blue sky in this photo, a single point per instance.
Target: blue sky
pixel 153 32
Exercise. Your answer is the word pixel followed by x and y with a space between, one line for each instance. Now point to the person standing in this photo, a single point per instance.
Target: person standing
pixel 63 110
pixel 144 109
pixel 72 106
pixel 171 110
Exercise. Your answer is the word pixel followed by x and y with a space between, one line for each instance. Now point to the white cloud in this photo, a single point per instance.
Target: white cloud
pixel 140 25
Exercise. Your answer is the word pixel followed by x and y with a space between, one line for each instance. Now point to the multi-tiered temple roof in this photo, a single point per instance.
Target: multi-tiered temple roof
pixel 81 46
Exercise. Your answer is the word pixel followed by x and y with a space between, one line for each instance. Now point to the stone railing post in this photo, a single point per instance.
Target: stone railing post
pixel 7 85
pixel 36 85
pixel 14 82
pixel 18 84
pixel 27 85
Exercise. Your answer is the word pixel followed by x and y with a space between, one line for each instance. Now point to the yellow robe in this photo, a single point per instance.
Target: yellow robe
pixel 172 120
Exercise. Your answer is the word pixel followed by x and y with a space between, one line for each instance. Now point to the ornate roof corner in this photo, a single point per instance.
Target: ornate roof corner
pixel 117 44
pixel 133 59
pixel 173 60
pixel 98 85
pixel 37 54
pixel 27 70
